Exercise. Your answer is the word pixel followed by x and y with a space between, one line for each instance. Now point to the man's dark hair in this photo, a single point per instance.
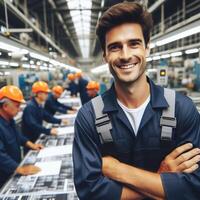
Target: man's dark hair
pixel 124 13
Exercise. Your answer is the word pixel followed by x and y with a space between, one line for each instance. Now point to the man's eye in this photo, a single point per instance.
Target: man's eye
pixel 114 48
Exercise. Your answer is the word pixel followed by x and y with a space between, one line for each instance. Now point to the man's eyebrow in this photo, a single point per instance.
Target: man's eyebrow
pixel 135 40
pixel 112 44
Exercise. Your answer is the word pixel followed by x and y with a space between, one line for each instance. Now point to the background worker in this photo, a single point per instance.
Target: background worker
pixel 72 86
pixel 52 105
pixel 10 139
pixel 82 83
pixel 34 113
pixel 132 128
pixel 92 89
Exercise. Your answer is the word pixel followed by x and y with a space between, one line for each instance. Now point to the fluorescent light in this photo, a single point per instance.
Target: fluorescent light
pixel 152 45
pixel 8 47
pixel 38 63
pixel 178 36
pixel 4 63
pixel 32 62
pixel 100 69
pixel 13 64
pixel 6 73
pixel 190 51
pixel 148 59
pixel 43 67
pixel 176 54
pixel 39 57
pixel 165 56
pixel 52 69
pixel 25 65
pixel 156 58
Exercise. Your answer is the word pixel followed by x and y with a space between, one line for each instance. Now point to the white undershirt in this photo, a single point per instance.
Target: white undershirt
pixel 134 115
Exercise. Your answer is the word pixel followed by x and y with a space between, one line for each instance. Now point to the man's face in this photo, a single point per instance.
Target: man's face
pixel 125 52
pixel 11 108
pixel 56 95
pixel 42 96
pixel 92 92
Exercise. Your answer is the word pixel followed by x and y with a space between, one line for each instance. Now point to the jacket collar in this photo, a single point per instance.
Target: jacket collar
pixel 157 99
pixel 7 123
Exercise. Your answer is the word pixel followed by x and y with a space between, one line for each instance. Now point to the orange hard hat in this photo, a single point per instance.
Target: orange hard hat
pixel 97 86
pixel 71 76
pixel 92 85
pixel 40 86
pixel 12 92
pixel 57 89
pixel 78 74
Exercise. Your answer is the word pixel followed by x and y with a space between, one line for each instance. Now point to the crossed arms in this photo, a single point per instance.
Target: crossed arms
pixel 138 183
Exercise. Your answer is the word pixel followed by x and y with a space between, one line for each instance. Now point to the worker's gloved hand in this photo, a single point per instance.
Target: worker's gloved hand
pixel 37 147
pixel 65 122
pixel 27 170
pixel 71 111
pixel 182 159
pixel 54 131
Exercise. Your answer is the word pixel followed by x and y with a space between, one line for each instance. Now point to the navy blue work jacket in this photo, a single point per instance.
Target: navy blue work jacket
pixel 32 119
pixel 73 88
pixel 82 83
pixel 52 105
pixel 143 151
pixel 10 142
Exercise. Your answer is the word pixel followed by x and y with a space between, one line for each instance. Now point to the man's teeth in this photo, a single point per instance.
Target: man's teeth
pixel 127 66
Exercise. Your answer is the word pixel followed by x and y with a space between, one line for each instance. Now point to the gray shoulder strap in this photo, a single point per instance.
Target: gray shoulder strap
pixel 102 121
pixel 168 120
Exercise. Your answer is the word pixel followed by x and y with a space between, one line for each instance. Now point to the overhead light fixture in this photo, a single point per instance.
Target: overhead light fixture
pixel 9 47
pixel 13 64
pixel 100 69
pixel 178 36
pixel 190 51
pixel 4 63
pixel 176 54
pixel 156 58
pixel 81 17
pixel 148 59
pixel 25 65
pixel 39 57
pixel 165 56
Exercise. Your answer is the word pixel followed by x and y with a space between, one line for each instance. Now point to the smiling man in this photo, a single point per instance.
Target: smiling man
pixel 141 165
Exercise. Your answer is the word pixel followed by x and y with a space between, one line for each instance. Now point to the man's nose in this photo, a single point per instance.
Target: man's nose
pixel 125 53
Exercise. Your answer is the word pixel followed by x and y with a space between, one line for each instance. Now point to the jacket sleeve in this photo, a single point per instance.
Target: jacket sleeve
pixel 185 186
pixel 89 181
pixel 49 118
pixel 23 139
pixel 8 165
pixel 30 121
pixel 63 108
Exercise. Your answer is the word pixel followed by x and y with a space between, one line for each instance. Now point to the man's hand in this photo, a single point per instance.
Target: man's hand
pixel 37 147
pixel 34 146
pixel 182 159
pixel 65 122
pixel 71 111
pixel 27 170
pixel 110 166
pixel 54 131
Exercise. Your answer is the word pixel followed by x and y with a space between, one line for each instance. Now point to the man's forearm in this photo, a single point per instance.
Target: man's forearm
pixel 147 183
pixel 129 194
